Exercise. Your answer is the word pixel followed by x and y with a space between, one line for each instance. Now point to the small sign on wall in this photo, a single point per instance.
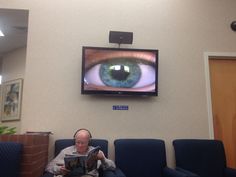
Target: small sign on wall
pixel 120 107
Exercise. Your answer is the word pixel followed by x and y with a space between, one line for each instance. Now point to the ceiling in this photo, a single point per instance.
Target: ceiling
pixel 14 25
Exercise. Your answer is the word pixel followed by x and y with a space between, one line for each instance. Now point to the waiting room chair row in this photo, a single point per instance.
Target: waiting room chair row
pixel 147 158
pixel 140 158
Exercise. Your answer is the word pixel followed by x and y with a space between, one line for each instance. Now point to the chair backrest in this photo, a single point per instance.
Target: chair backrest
pixel 63 143
pixel 140 157
pixel 203 157
pixel 10 159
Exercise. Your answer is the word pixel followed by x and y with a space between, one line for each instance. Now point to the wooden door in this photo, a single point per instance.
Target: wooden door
pixel 223 95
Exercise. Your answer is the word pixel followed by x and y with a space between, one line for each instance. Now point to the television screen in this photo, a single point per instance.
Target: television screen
pixel 119 71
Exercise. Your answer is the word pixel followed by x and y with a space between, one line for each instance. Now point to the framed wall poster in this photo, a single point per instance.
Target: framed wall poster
pixel 11 100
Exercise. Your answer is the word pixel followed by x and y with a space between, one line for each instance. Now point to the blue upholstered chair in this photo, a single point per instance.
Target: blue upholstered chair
pixel 143 158
pixel 204 158
pixel 10 159
pixel 63 143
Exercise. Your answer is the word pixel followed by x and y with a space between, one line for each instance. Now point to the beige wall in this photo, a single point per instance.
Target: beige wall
pixel 13 67
pixel 1 64
pixel 182 30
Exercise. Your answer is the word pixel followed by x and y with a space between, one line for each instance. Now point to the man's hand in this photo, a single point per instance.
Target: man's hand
pixel 63 170
pixel 100 156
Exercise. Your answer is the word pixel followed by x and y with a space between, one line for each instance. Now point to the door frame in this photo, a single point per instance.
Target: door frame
pixel 207 56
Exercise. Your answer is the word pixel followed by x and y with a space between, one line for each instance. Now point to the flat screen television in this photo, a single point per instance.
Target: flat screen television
pixel 119 71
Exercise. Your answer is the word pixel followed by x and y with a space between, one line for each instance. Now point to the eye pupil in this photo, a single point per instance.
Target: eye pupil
pixel 120 73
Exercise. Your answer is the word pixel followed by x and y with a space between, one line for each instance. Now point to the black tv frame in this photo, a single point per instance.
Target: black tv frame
pixel 116 92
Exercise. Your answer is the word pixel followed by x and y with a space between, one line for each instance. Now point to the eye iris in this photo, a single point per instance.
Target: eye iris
pixel 124 73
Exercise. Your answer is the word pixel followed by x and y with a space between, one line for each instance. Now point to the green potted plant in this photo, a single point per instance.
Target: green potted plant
pixel 5 130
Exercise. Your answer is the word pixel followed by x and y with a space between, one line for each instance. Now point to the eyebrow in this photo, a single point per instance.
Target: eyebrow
pixel 97 56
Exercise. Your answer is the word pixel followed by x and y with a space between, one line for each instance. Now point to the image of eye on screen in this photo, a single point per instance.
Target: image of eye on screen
pixel 119 71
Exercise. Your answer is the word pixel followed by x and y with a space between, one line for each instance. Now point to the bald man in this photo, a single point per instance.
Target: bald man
pixel 81 148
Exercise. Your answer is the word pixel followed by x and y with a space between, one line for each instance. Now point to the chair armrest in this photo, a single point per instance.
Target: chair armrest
pixel 230 172
pixel 47 174
pixel 105 173
pixel 113 173
pixel 188 173
pixel 168 172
